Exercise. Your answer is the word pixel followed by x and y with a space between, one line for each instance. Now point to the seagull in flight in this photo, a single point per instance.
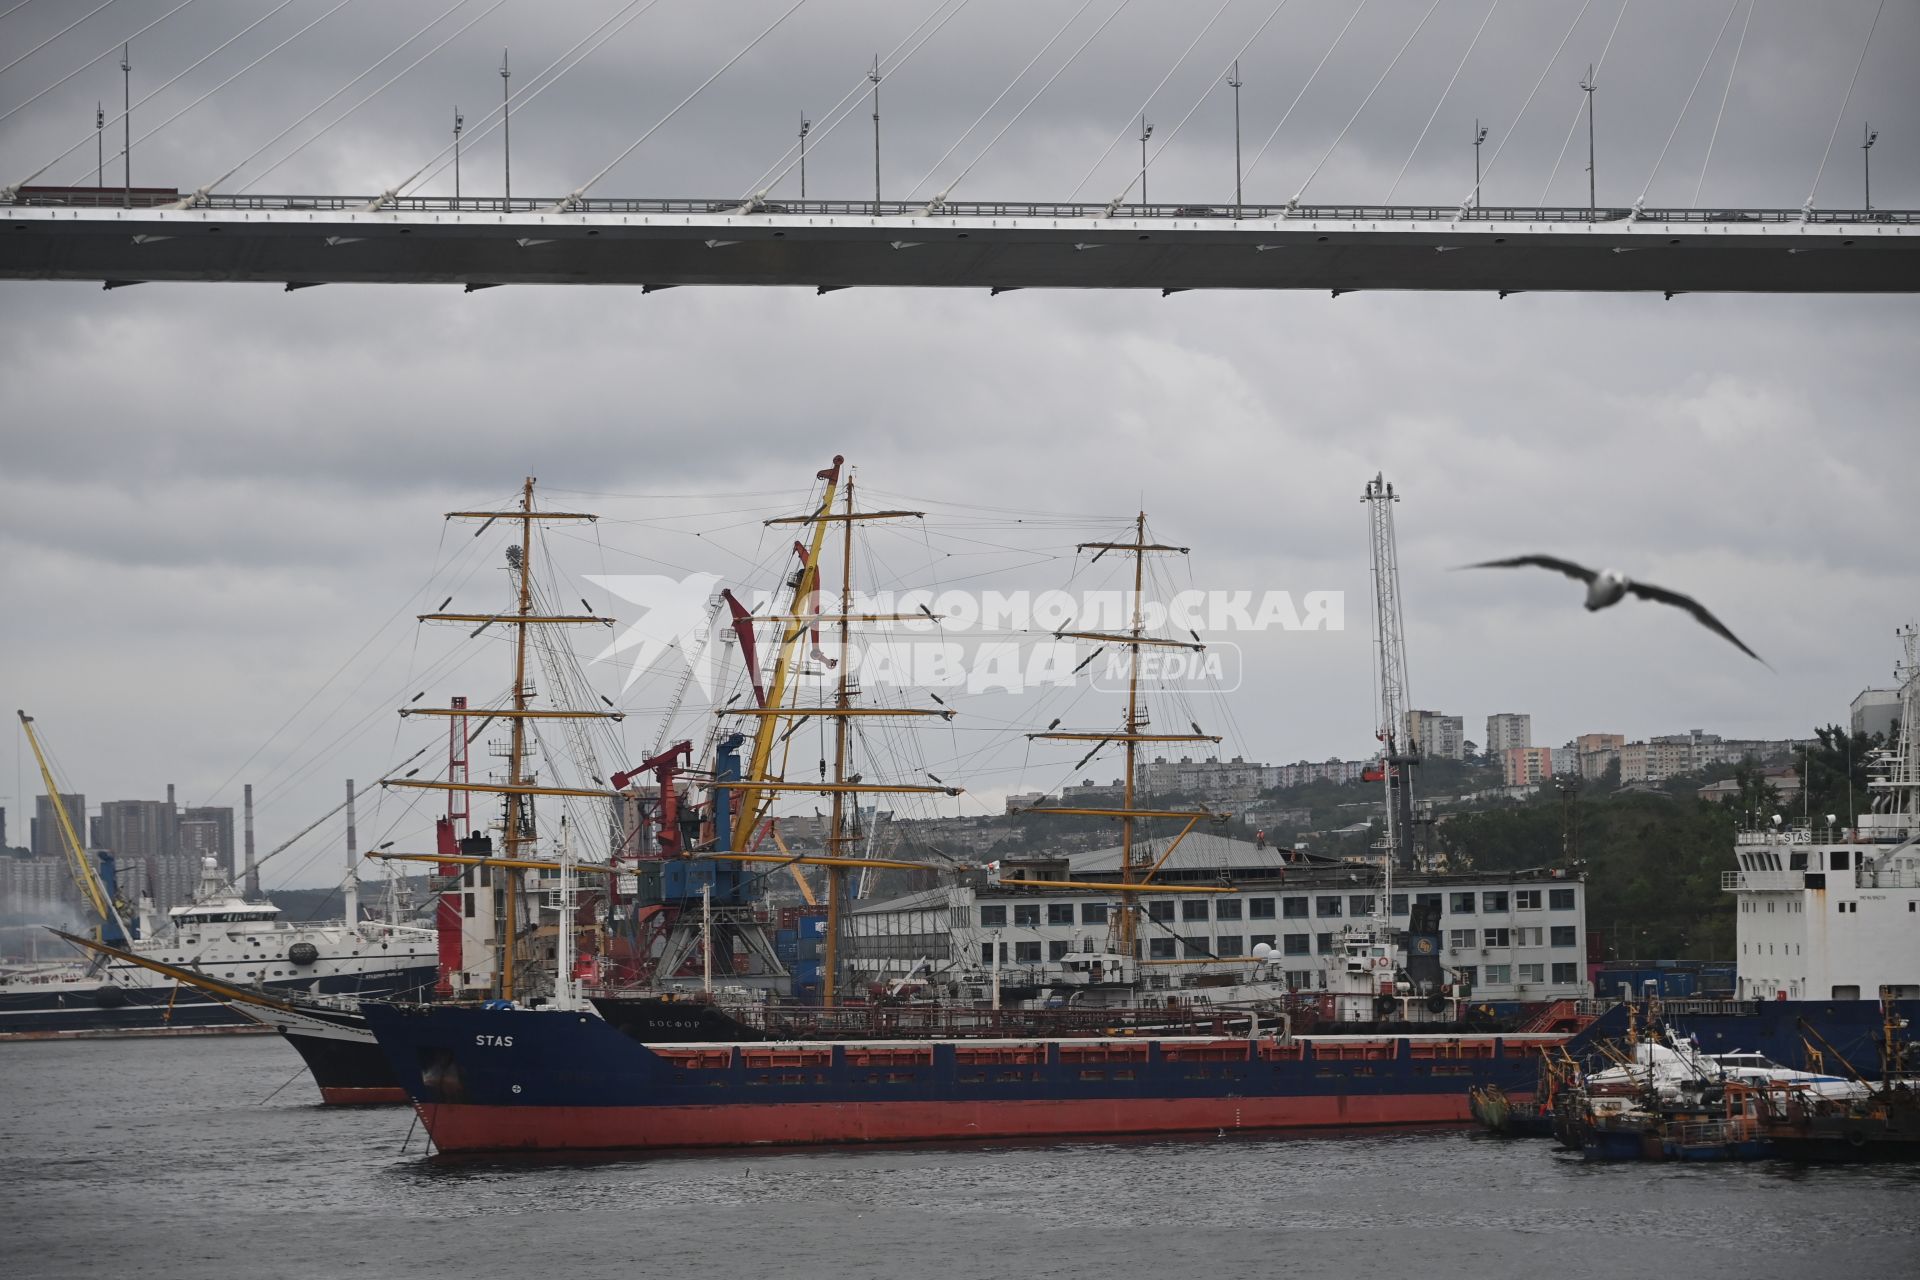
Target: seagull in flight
pixel 1610 586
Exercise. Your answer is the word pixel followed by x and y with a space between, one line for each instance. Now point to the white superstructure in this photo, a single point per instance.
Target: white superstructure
pixel 1832 912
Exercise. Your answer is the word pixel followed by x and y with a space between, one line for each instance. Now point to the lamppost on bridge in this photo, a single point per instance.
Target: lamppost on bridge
pixel 99 144
pixel 806 126
pixel 1870 135
pixel 459 122
pixel 1588 86
pixel 126 117
pixel 874 75
pixel 1146 131
pixel 506 124
pixel 1479 136
pixel 1233 79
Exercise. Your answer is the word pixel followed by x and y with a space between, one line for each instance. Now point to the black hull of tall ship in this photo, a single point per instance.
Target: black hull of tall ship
pixel 108 1009
pixel 347 1066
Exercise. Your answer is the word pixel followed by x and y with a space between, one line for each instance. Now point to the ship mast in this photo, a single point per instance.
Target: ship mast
pixel 521 787
pixel 761 785
pixel 1133 729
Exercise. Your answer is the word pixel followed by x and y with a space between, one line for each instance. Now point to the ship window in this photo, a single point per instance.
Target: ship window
pixel 469 905
pixel 1059 913
pixel 1796 862
pixel 993 917
pixel 1260 908
pixel 1846 993
pixel 1026 915
pixel 1837 860
pixel 1093 913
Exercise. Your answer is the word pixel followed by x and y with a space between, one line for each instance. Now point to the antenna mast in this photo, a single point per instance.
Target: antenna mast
pixel 1398 753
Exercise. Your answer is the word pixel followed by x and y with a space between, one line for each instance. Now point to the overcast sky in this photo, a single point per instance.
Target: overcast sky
pixel 213 497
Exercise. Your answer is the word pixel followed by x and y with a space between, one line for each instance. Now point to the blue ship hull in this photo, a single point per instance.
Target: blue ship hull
pixel 509 1079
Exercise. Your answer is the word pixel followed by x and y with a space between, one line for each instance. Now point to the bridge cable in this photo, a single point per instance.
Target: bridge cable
pixel 1722 34
pixel 55 36
pixel 1288 113
pixel 837 116
pixel 91 134
pixel 1839 115
pixel 1461 66
pixel 1587 100
pixel 1521 114
pixel 1113 205
pixel 1405 45
pixel 1724 95
pixel 533 88
pixel 573 199
pixel 1011 86
pixel 1148 101
pixel 389 83
pixel 242 71
pixel 14 9
pixel 109 51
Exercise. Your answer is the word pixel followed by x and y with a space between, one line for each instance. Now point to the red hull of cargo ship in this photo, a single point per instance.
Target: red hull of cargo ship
pixel 339 1096
pixel 460 1128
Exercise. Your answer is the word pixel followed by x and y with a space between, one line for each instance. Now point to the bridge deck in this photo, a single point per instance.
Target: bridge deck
pixel 658 244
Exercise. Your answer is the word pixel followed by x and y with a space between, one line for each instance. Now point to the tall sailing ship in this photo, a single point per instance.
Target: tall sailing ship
pixel 559 1078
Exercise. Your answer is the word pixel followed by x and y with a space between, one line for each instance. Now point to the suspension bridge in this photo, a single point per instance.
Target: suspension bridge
pixel 931 237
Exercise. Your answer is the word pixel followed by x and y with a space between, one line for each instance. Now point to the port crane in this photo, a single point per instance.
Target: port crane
pixel 101 896
pixel 1399 753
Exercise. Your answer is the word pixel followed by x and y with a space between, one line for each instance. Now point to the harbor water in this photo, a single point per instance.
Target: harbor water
pixel 169 1158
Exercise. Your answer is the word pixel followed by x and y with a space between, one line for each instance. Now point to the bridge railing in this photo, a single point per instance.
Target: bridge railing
pixel 152 197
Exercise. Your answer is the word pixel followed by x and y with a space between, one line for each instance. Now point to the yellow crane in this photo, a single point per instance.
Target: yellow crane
pixel 84 876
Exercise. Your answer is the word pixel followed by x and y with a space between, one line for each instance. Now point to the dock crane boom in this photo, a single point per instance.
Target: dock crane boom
pixel 84 876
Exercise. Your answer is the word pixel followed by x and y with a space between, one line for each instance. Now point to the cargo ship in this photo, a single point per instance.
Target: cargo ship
pixel 554 1080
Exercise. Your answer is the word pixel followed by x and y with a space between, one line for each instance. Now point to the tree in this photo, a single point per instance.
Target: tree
pixel 1833 769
